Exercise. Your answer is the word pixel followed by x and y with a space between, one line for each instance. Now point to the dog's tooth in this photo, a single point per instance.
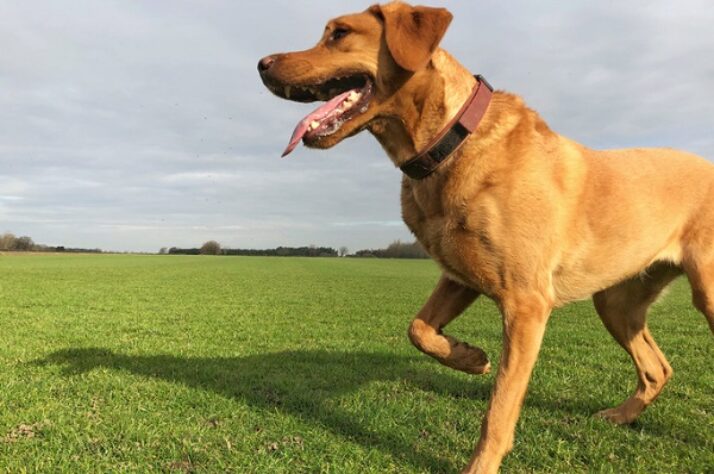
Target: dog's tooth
pixel 353 96
pixel 287 91
pixel 314 124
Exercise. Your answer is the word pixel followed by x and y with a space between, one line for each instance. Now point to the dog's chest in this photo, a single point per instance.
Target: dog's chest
pixel 458 235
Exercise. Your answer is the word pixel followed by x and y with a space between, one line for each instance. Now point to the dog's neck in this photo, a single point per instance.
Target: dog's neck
pixel 435 95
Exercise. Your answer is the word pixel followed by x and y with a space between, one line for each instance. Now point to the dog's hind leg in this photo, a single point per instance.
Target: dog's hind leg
pixel 701 277
pixel 623 310
pixel 448 300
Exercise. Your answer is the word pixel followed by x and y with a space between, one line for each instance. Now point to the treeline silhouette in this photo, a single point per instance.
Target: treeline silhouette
pixel 276 252
pixel 396 249
pixel 10 243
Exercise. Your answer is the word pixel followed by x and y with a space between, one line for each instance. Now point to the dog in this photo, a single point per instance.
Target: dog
pixel 507 207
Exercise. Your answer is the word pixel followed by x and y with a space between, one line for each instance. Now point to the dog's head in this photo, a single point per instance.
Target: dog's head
pixel 358 68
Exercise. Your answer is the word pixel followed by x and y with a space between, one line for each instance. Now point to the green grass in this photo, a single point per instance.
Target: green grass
pixel 260 365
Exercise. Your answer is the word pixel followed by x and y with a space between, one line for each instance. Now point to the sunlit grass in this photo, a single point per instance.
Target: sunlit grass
pixel 230 364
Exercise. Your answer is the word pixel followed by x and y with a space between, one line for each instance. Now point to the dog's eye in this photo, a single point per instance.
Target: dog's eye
pixel 339 33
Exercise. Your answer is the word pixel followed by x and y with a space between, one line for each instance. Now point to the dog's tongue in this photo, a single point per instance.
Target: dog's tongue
pixel 318 114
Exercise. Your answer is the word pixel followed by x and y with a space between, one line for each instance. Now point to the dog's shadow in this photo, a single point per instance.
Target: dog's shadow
pixel 299 383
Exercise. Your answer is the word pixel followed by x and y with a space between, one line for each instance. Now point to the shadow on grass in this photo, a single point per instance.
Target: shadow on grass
pixel 299 383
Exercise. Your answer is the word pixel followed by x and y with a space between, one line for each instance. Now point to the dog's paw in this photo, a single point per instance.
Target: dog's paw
pixel 479 369
pixel 473 360
pixel 618 416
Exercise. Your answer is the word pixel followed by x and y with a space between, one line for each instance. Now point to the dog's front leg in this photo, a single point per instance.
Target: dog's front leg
pixel 448 300
pixel 524 321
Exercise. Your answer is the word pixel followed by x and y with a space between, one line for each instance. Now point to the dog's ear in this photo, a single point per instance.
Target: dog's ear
pixel 412 33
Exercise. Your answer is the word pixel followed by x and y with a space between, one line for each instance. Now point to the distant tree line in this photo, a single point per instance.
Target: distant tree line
pixel 396 249
pixel 10 243
pixel 213 248
pixel 287 252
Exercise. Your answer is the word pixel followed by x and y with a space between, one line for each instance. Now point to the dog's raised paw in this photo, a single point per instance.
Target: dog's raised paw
pixel 618 416
pixel 472 360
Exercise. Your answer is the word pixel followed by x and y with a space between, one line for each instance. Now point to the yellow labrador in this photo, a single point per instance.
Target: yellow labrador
pixel 506 206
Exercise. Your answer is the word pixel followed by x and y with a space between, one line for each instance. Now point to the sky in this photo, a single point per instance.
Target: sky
pixel 132 126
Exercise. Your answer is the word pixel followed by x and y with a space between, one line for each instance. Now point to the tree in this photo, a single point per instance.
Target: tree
pixel 399 249
pixel 163 251
pixel 211 248
pixel 7 241
pixel 344 251
pixel 396 249
pixel 24 243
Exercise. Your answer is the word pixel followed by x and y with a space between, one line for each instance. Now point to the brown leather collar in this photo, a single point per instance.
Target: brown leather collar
pixel 454 134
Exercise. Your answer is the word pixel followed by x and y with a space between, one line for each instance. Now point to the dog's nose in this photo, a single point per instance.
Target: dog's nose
pixel 265 63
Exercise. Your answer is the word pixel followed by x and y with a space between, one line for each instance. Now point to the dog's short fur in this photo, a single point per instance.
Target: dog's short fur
pixel 519 213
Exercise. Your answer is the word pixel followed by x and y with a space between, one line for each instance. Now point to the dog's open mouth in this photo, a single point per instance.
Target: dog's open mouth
pixel 346 98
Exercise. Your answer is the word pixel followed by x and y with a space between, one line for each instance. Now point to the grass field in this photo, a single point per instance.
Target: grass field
pixel 260 365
